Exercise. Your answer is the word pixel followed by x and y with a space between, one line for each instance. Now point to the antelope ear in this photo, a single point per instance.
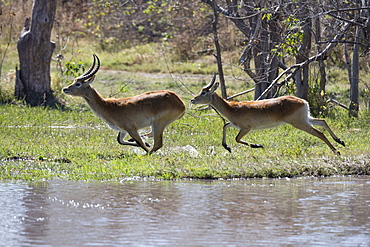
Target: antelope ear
pixel 215 86
pixel 89 80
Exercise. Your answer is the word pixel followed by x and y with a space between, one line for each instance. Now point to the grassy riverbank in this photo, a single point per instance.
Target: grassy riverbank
pixel 39 143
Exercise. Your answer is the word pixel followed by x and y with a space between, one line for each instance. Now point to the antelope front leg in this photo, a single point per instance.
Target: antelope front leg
pixel 138 140
pixel 130 142
pixel 226 126
pixel 242 133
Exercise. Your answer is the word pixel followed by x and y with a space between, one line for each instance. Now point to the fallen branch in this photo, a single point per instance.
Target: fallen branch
pixel 337 103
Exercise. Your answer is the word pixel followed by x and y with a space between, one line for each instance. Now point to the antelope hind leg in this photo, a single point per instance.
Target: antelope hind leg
pixel 322 123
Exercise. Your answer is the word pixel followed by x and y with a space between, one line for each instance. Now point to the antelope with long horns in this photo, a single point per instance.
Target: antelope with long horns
pixel 263 114
pixel 127 115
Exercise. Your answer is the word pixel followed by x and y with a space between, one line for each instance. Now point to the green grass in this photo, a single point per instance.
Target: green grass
pixel 42 143
pixel 39 143
pixel 154 58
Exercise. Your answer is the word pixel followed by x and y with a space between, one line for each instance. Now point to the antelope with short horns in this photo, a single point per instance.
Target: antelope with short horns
pixel 263 114
pixel 127 115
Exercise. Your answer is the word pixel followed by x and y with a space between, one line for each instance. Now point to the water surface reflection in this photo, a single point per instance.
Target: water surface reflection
pixel 330 211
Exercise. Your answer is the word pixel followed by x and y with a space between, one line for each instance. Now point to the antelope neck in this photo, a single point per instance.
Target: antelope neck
pixel 221 105
pixel 94 100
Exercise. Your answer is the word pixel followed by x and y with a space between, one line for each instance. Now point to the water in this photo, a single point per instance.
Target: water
pixel 257 212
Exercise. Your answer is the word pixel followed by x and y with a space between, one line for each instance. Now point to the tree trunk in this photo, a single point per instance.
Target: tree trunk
pixel 354 94
pixel 355 75
pixel 322 71
pixel 218 52
pixel 35 51
pixel 260 62
pixel 301 77
pixel 273 71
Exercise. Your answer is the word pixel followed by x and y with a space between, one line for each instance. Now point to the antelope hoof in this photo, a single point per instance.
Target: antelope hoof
pixel 227 148
pixel 256 146
pixel 147 144
pixel 341 142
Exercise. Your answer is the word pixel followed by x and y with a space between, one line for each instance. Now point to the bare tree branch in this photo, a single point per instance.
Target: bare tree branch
pixel 321 56
pixel 241 93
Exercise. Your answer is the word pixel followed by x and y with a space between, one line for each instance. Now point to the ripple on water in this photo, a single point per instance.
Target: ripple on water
pixel 138 212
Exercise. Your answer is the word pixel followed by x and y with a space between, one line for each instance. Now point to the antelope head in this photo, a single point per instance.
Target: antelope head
pixel 205 96
pixel 77 88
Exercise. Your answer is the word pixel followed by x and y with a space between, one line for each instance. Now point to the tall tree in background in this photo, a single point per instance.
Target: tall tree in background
pixel 35 51
pixel 282 43
pixel 279 35
pixel 302 76
pixel 355 76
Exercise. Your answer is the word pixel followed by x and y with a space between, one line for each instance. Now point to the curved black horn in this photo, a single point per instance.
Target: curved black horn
pixel 211 83
pixel 88 71
pixel 97 66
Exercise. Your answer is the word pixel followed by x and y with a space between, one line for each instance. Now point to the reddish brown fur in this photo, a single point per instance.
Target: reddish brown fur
pixel 155 109
pixel 263 114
